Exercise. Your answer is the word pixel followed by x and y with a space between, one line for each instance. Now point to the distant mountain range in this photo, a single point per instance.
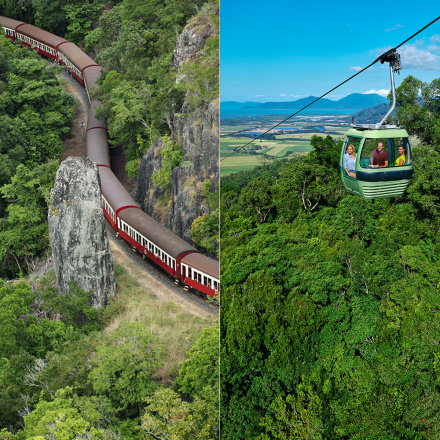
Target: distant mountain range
pixel 355 101
pixel 371 115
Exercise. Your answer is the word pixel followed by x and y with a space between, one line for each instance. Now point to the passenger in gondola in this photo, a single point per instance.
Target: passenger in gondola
pixel 400 161
pixel 349 161
pixel 379 157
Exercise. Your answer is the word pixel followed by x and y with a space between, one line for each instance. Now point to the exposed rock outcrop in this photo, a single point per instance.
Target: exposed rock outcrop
pixel 192 40
pixel 80 247
pixel 197 132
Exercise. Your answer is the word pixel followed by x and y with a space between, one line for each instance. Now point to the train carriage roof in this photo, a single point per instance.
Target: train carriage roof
pixel 78 57
pixel 93 121
pixel 155 232
pixel 203 263
pixel 113 191
pixel 9 22
pixel 40 35
pixel 91 75
pixel 97 146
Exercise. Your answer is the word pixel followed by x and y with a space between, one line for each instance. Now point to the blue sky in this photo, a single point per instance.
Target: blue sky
pixel 284 50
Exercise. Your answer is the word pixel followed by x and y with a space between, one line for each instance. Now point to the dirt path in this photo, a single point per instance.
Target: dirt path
pixel 75 144
pixel 144 272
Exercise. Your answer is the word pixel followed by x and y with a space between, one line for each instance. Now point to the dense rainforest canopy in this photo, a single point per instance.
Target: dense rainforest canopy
pixel 330 320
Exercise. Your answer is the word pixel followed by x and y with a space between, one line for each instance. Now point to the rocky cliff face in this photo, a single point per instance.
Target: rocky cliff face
pixel 197 132
pixel 80 248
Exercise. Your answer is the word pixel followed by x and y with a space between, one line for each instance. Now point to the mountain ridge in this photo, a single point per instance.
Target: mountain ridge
pixel 349 102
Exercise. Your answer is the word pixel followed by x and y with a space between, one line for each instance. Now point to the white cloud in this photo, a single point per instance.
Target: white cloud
pixel 435 39
pixel 282 95
pixel 381 92
pixel 418 59
pixel 355 68
pixel 398 26
pixel 259 96
pixel 419 43
pixel 415 57
pixel 433 48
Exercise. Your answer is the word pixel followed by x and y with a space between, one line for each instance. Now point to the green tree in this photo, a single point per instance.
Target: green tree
pixel 167 416
pixel 66 417
pixel 172 155
pixel 294 417
pixel 80 17
pixel 123 368
pixel 199 375
pixel 26 236
pixel 417 108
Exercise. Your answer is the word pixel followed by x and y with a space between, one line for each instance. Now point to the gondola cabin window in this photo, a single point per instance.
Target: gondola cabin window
pixel 383 153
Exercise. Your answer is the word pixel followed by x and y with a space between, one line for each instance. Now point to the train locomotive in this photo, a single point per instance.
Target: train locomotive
pixel 155 242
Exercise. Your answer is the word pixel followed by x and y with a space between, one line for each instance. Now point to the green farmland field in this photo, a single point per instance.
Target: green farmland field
pixel 241 161
pixel 289 144
pixel 234 164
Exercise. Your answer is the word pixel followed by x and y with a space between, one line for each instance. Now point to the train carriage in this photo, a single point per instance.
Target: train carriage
pixel 153 240
pixel 114 196
pixel 75 59
pixel 91 75
pixel 97 147
pixel 93 122
pixel 201 273
pixel 9 25
pixel 42 41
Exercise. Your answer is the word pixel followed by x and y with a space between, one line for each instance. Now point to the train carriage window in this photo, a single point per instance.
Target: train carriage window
pixel 189 273
pixel 199 276
pixel 205 281
pixel 215 285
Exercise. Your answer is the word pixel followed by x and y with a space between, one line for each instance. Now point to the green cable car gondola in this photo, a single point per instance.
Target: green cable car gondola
pixel 375 159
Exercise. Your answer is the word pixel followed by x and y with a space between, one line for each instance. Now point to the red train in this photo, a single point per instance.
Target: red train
pixel 155 242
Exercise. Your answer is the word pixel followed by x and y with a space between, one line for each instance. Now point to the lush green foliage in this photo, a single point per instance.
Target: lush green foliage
pixel 38 323
pixel 329 322
pixel 67 18
pixel 199 375
pixel 418 109
pixel 167 416
pixel 172 155
pixel 123 367
pixel 66 417
pixel 139 93
pixel 34 116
